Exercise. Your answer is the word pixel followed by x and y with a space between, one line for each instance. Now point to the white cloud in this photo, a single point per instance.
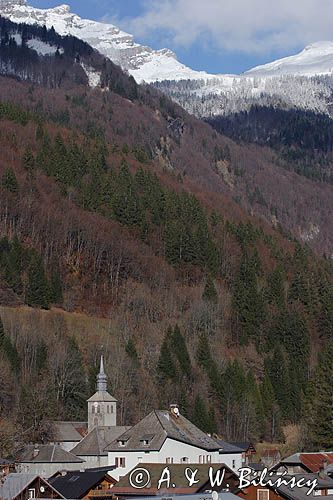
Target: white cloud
pixel 249 26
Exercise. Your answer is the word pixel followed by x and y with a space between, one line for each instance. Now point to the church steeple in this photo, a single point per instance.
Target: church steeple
pixel 102 381
pixel 102 407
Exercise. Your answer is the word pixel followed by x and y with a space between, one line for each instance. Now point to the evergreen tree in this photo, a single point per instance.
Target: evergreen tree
pixel 75 391
pixel 210 293
pixel 55 289
pixel 37 294
pixel 166 369
pixel 201 417
pixel 319 421
pixel 180 351
pixel 29 162
pixel 11 353
pixel 204 356
pixel 9 181
pixel 271 410
pixel 131 350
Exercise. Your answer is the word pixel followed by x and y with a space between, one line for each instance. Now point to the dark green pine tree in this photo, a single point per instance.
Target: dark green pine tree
pixel 179 349
pixel 166 369
pixel 75 393
pixel 131 350
pixel 279 372
pixel 9 181
pixel 12 354
pixel 37 293
pixel 201 417
pixel 271 410
pixel 210 292
pixel 204 356
pixel 276 290
pixel 29 162
pixel 13 265
pixel 320 419
pixel 55 289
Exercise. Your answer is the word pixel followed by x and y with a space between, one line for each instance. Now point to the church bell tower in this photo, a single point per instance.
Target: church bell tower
pixel 102 407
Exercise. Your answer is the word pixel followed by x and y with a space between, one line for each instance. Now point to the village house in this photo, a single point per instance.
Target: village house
pixel 166 436
pixel 87 484
pixel 19 486
pixel 248 450
pixel 304 462
pixel 45 460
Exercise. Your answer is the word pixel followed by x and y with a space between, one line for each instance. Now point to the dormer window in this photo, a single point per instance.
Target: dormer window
pixel 122 442
pixel 146 440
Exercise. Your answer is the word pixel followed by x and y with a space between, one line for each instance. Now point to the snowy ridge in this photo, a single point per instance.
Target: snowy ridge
pixel 315 59
pixel 304 80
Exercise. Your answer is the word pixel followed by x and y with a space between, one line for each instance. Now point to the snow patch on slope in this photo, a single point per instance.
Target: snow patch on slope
pixel 42 48
pixel 94 77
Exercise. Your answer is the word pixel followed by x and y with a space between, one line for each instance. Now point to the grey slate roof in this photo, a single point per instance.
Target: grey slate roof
pixel 15 483
pixel 46 453
pixel 69 431
pixel 94 443
pixel 161 424
pixel 102 396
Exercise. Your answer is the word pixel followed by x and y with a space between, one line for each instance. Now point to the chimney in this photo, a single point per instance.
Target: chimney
pixel 174 410
pixel 322 470
pixel 35 452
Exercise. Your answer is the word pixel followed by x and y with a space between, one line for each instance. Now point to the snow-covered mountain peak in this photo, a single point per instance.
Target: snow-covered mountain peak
pixel 315 59
pixel 62 9
pixel 144 63
pixel 12 3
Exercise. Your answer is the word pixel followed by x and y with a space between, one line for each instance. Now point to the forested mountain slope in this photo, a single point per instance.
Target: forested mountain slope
pixel 302 139
pixel 118 205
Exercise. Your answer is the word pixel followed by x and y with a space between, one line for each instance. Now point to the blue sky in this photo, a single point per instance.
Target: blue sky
pixel 218 36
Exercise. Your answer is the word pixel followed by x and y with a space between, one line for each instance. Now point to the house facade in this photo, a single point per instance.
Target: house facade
pixel 166 437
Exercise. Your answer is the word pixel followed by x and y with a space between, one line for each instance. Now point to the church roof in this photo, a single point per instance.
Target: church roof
pixel 102 396
pixel 68 431
pixel 96 441
pixel 46 453
pixel 160 425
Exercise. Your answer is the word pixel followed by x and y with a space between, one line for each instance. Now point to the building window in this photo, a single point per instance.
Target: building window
pixel 234 465
pixel 98 409
pixel 32 493
pixel 263 495
pixel 107 409
pixel 169 460
pixel 111 407
pixel 93 410
pixel 184 460
pixel 120 462
pixel 122 443
pixel 139 460
pixel 209 459
pixel 317 493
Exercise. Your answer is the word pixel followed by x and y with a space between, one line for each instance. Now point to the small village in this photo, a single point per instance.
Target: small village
pixel 163 455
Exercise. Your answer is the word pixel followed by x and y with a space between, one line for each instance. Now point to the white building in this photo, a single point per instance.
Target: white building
pixel 167 437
